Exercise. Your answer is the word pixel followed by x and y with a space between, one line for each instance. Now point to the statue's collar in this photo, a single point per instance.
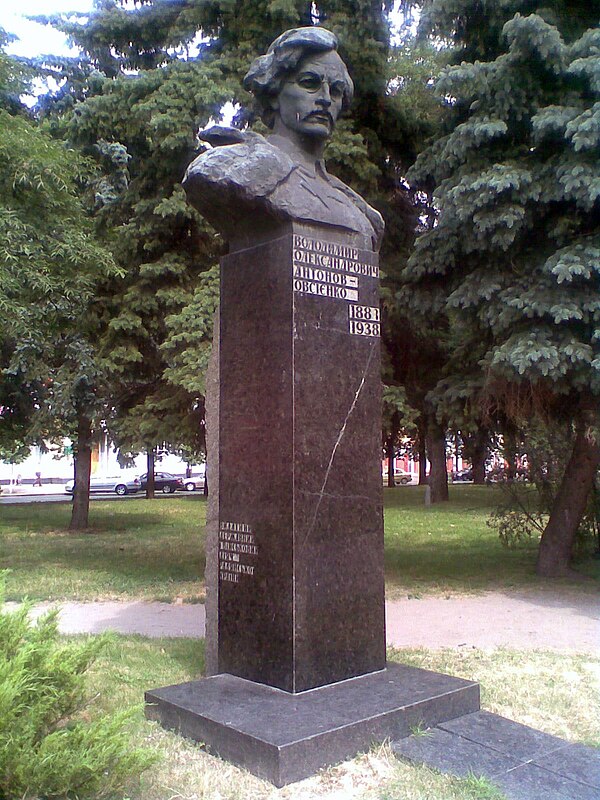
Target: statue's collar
pixel 298 156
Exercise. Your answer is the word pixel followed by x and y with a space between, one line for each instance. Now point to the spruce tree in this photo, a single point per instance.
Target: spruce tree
pixel 514 257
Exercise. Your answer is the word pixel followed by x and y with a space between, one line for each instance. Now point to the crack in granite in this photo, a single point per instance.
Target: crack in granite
pixel 321 493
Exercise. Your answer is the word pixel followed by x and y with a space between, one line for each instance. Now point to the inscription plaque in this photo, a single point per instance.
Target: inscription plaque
pixel 237 545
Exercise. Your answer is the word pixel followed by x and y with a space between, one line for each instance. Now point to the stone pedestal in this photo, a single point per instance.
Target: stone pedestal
pixel 295 578
pixel 300 584
pixel 285 737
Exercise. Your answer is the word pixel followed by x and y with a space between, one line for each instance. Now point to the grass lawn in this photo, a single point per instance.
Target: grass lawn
pixel 450 548
pixel 135 549
pixel 154 550
pixel 552 692
pixel 139 549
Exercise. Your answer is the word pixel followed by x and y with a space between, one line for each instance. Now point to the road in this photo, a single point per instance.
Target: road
pixel 55 493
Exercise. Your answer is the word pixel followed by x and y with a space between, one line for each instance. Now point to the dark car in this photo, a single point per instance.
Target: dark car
pixel 163 482
pixel 462 475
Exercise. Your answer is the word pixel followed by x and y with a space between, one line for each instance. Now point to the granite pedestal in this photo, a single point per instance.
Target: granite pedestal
pixel 295 573
pixel 300 549
pixel 284 737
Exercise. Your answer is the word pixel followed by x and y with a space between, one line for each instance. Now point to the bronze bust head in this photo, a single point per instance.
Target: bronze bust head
pixel 300 88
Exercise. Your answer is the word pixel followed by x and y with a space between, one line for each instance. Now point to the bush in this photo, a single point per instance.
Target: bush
pixel 50 748
pixel 525 509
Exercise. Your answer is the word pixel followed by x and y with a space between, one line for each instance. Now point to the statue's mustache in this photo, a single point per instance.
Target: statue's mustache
pixel 320 113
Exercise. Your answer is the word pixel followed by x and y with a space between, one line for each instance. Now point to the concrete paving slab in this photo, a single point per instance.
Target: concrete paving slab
pixel 576 761
pixel 500 750
pixel 452 754
pixel 503 735
pixel 530 782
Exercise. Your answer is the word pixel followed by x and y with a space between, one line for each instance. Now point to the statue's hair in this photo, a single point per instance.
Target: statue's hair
pixel 268 73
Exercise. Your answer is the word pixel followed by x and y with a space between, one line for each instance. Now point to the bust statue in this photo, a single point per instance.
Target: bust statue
pixel 246 182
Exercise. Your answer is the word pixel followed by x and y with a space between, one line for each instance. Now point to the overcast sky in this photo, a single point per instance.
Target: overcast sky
pixel 36 39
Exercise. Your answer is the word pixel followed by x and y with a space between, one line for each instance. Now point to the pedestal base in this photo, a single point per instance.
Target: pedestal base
pixel 284 737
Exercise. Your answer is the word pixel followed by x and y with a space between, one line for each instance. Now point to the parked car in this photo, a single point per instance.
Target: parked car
pixel 163 482
pixel 193 483
pixel 100 483
pixel 400 477
pixel 462 475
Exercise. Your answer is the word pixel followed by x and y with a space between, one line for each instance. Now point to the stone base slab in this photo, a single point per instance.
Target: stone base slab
pixel 524 763
pixel 284 737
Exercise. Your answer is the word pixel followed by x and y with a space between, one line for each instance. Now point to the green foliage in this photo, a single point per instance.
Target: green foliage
pixel 525 508
pixel 51 261
pixel 141 130
pixel 48 253
pixel 47 746
pixel 518 188
pixel 15 77
pixel 188 344
pixel 159 87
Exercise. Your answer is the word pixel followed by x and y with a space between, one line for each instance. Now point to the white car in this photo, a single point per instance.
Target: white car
pixel 196 481
pixel 119 485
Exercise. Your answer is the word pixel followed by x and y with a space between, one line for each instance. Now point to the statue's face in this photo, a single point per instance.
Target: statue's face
pixel 310 102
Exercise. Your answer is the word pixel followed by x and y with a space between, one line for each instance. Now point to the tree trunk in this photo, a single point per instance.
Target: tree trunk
pixel 479 453
pixel 438 476
pixel 390 449
pixel 150 473
pixel 556 544
pixel 423 479
pixel 82 452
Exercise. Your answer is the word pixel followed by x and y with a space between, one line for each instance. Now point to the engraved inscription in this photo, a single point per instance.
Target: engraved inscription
pixel 329 255
pixel 237 546
pixel 325 290
pixel 325 276
pixel 367 313
pixel 359 328
pixel 364 320
pixel 331 270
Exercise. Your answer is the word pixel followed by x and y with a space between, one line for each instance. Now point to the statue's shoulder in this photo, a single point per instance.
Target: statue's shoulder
pixel 371 213
pixel 241 160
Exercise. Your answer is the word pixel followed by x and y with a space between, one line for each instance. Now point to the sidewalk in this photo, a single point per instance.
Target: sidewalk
pixel 560 621
pixel 28 489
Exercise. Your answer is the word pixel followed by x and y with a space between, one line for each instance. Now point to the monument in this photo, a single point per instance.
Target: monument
pixel 295 574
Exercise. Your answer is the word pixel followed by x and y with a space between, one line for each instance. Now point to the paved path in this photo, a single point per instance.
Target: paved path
pixel 526 764
pixel 563 621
